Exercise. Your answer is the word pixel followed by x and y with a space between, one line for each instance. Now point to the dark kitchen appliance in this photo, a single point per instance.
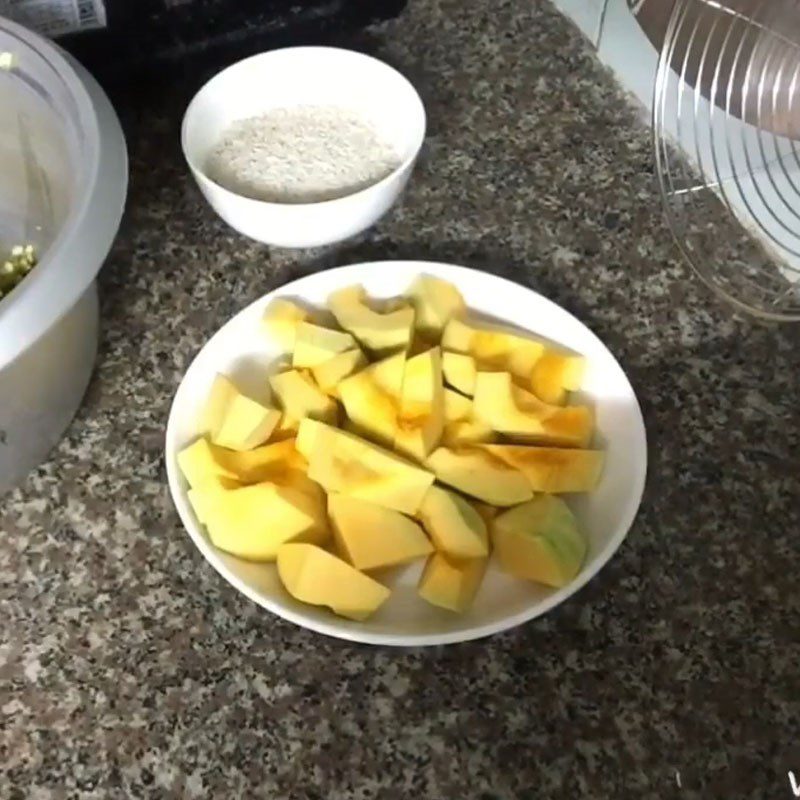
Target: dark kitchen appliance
pixel 123 37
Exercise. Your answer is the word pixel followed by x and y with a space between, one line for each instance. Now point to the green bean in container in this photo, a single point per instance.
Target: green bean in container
pixel 16 267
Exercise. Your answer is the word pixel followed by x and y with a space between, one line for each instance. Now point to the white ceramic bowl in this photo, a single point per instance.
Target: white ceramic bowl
pixel 605 515
pixel 305 76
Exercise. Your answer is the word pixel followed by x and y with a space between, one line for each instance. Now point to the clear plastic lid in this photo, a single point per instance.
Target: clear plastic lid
pixel 39 142
pixel 63 178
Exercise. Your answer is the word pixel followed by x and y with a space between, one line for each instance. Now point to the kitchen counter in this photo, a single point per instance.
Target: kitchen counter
pixel 129 668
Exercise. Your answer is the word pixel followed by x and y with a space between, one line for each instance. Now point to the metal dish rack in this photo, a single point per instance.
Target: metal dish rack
pixel 726 124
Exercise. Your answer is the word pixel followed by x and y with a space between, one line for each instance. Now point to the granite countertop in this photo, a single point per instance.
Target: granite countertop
pixel 129 668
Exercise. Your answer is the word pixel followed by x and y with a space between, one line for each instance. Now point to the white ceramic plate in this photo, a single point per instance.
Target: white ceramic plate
pixel 605 515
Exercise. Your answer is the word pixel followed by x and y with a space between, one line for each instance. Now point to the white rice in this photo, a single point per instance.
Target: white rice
pixel 303 154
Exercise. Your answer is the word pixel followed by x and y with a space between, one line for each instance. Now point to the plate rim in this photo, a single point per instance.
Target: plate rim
pixel 353 634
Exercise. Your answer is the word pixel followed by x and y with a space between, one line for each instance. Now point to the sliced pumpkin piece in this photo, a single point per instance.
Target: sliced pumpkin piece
pixel 481 475
pixel 511 410
pixel 285 429
pixel 375 330
pixel 201 464
pixel 459 371
pixel 301 397
pixel 465 433
pixel 314 345
pixel 554 470
pixel 421 416
pixel 332 372
pixel 371 398
pixel 540 541
pixel 254 521
pixel 204 463
pixel 455 527
pixel 246 424
pixel 372 536
pixel 487 512
pixel 313 575
pixel 493 347
pixel 281 319
pixel 223 391
pixel 451 583
pixel 342 462
pixel 435 301
pixel 456 406
pixel 555 374
pixel 202 500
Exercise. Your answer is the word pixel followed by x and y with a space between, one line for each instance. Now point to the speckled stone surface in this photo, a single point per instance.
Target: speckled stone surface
pixel 129 668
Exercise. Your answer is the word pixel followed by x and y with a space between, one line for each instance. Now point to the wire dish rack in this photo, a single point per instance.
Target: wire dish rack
pixel 726 95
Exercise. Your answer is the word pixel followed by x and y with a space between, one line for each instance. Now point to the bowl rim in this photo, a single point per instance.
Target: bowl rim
pixel 334 628
pixel 201 173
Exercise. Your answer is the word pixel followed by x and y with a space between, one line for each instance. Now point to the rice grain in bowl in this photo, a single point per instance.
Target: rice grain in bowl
pixel 301 154
pixel 358 126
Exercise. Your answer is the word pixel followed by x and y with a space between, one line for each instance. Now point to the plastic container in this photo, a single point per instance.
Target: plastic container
pixel 305 76
pixel 64 168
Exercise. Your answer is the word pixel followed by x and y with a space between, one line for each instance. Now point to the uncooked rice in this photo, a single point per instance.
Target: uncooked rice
pixel 304 154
